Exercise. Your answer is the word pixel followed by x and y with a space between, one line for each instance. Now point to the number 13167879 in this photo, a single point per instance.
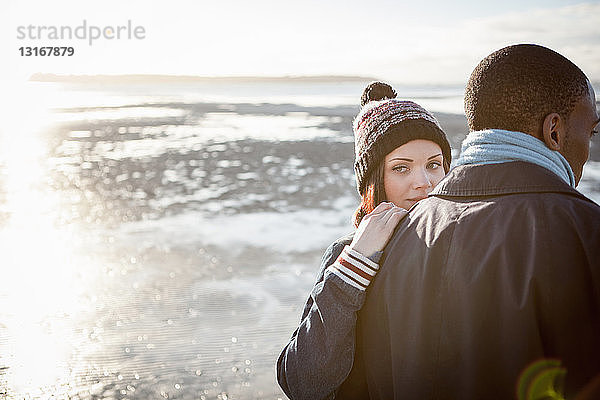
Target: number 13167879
pixel 48 51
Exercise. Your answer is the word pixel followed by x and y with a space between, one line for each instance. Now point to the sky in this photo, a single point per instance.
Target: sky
pixel 426 42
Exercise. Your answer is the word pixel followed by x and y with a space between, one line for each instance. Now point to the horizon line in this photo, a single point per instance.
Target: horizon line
pixel 53 77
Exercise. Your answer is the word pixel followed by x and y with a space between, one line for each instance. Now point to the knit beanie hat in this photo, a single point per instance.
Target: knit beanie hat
pixel 384 123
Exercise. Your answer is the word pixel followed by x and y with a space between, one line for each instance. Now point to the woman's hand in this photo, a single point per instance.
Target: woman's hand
pixel 376 228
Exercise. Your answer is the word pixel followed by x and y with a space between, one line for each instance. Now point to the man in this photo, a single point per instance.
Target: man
pixel 491 286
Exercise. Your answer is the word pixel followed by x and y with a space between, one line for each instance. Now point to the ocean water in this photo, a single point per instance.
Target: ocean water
pixel 159 241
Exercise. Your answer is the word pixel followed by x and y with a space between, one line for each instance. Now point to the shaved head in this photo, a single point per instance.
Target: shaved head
pixel 514 89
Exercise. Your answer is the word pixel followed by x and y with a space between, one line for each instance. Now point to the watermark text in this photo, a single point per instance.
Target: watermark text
pixel 85 31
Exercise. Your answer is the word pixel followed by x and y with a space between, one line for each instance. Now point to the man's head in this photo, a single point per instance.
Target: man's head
pixel 532 89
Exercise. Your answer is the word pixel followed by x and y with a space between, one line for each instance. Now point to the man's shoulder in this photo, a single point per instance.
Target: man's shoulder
pixel 438 217
pixel 496 180
pixel 560 204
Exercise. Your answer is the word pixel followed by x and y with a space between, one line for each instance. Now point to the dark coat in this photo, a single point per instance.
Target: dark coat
pixel 500 267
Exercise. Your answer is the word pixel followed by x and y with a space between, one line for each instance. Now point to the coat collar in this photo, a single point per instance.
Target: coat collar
pixel 500 179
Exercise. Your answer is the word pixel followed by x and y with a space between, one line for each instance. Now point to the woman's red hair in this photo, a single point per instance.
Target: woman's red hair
pixel 373 195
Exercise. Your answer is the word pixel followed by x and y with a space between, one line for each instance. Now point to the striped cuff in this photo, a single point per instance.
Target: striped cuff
pixel 354 268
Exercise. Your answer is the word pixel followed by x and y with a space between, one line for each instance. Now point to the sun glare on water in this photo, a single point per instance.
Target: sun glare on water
pixel 42 281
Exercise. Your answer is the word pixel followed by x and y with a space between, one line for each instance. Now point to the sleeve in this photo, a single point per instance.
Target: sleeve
pixel 320 353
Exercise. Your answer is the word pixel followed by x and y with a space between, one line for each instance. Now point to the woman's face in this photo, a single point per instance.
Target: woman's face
pixel 411 171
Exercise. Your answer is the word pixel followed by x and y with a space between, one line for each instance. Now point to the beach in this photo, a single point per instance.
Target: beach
pixel 160 240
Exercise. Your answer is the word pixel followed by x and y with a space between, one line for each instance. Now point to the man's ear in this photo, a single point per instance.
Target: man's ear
pixel 553 131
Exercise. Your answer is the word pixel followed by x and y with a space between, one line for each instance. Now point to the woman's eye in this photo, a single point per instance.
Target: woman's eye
pixel 434 165
pixel 400 168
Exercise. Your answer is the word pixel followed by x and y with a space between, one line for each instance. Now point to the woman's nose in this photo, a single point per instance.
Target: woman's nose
pixel 422 179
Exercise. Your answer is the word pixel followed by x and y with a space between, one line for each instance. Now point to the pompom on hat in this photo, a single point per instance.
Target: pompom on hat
pixel 384 124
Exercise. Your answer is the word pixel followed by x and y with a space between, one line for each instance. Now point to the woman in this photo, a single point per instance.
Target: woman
pixel 401 154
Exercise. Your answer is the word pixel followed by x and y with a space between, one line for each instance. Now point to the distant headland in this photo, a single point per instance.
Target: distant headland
pixel 157 78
